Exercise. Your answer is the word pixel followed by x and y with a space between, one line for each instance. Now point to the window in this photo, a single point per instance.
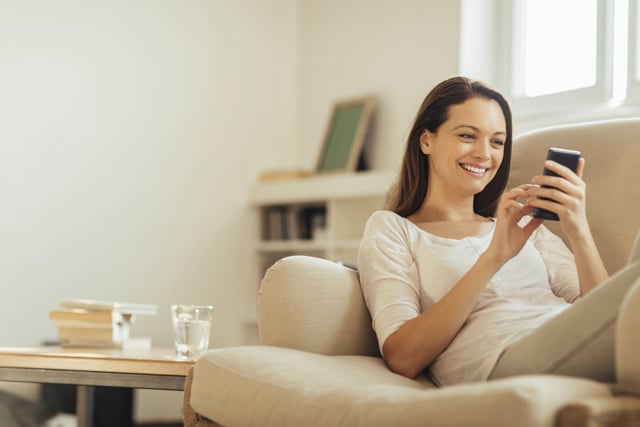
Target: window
pixel 557 54
pixel 633 60
pixel 577 57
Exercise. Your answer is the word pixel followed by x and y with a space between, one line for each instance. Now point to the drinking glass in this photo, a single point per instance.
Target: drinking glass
pixel 191 327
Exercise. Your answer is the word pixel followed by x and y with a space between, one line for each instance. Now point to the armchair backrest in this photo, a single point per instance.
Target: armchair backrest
pixel 612 173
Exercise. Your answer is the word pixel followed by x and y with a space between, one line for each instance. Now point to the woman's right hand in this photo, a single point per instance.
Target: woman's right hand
pixel 509 237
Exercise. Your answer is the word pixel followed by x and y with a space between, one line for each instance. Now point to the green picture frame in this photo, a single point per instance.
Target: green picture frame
pixel 345 134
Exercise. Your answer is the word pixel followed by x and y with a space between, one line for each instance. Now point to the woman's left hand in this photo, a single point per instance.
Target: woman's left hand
pixel 568 202
pixel 566 194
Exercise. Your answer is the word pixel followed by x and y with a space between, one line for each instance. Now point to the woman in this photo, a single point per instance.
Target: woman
pixel 457 276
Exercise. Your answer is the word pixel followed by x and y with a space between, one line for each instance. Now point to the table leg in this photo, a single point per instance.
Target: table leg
pixel 84 405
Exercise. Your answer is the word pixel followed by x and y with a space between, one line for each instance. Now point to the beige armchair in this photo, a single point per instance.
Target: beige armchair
pixel 318 363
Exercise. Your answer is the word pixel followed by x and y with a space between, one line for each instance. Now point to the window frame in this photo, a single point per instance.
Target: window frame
pixel 572 102
pixel 633 71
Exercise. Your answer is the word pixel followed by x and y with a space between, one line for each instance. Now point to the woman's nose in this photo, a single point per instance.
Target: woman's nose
pixel 482 149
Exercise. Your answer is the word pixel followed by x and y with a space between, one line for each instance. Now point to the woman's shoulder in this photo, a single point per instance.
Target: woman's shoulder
pixel 386 223
pixel 387 235
pixel 384 214
pixel 385 219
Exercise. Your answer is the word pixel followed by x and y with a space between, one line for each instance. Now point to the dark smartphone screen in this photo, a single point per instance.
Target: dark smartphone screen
pixel 568 158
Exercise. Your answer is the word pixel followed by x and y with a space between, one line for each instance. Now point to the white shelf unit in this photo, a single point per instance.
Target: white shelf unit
pixel 342 203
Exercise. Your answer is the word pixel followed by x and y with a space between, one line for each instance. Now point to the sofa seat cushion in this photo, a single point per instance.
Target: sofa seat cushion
pixel 273 386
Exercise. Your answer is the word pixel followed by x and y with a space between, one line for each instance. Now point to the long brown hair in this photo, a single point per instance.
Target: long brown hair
pixel 410 190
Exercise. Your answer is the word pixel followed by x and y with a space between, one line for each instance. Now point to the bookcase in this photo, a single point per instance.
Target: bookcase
pixel 322 216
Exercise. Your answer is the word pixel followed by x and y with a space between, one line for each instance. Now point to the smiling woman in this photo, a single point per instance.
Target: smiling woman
pixel 459 278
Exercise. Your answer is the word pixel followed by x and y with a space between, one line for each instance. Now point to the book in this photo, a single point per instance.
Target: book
pixel 121 307
pixel 97 334
pixel 92 323
pixel 91 327
pixel 81 316
pixel 143 343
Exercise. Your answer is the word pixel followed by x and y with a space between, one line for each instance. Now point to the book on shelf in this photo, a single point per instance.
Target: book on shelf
pixel 293 222
pixel 89 323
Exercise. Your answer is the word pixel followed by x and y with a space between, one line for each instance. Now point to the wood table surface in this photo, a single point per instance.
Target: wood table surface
pixel 158 361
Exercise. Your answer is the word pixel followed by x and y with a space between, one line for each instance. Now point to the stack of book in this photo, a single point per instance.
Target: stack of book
pixel 88 323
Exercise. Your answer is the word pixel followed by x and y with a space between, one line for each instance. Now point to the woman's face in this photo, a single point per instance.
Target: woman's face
pixel 467 149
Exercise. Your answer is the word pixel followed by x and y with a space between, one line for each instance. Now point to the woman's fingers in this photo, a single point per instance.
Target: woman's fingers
pixel 512 211
pixel 565 172
pixel 565 189
pixel 559 206
pixel 527 209
pixel 558 183
pixel 519 192
pixel 566 195
pixel 531 226
pixel 556 194
pixel 580 167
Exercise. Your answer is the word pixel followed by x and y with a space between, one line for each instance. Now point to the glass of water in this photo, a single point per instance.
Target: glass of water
pixel 191 327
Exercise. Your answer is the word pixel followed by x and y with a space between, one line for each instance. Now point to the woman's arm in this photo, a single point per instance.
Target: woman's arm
pixel 419 341
pixel 567 198
pixel 559 263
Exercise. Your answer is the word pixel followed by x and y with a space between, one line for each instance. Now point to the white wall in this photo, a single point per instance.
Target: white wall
pixel 396 50
pixel 129 133
pixel 131 130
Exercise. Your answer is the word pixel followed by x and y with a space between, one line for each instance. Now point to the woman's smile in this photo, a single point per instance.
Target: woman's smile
pixel 477 171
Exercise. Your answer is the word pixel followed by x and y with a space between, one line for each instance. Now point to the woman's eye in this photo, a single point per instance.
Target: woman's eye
pixel 467 136
pixel 499 142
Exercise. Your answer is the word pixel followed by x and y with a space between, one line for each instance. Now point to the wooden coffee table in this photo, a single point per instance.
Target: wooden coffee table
pixel 87 368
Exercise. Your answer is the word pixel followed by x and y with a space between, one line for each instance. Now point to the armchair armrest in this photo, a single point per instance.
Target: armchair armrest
pixel 627 339
pixel 315 305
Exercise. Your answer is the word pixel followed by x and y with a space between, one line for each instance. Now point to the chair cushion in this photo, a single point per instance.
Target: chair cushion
pixel 271 386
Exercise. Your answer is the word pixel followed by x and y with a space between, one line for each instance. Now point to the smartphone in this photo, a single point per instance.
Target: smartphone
pixel 568 158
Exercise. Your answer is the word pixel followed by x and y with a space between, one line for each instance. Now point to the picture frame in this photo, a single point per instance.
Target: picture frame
pixel 345 134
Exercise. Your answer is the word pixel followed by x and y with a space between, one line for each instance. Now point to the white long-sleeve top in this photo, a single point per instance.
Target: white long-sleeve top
pixel 404 270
